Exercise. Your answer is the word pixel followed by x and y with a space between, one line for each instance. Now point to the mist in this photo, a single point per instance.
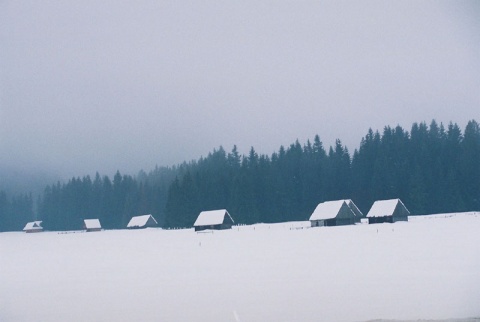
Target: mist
pixel 87 87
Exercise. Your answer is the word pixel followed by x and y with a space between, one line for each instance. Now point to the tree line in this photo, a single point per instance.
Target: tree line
pixel 15 212
pixel 431 168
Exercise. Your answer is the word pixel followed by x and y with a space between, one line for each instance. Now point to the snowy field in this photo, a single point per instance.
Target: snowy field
pixel 428 268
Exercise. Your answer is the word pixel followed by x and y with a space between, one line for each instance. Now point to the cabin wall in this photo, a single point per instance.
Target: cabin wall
pixel 317 223
pixel 345 216
pixel 400 213
pixel 34 231
pixel 330 222
pixel 214 227
pixel 150 223
pixel 345 221
pixel 380 220
pixel 356 211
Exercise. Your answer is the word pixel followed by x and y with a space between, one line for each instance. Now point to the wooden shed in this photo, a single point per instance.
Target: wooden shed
pixel 144 221
pixel 33 227
pixel 213 219
pixel 92 225
pixel 391 211
pixel 333 213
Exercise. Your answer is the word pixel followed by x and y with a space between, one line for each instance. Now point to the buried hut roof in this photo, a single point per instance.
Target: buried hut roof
pixel 141 221
pixel 327 210
pixel 212 217
pixel 33 225
pixel 382 208
pixel 92 224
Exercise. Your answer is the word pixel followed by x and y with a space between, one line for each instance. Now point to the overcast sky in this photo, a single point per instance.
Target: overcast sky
pixel 91 86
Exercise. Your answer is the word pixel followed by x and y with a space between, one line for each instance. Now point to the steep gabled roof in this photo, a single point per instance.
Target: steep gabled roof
pixel 212 217
pixel 354 208
pixel 382 208
pixel 327 210
pixel 33 225
pixel 92 224
pixel 140 221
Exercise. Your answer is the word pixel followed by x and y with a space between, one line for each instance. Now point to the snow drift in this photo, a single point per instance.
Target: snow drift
pixel 427 268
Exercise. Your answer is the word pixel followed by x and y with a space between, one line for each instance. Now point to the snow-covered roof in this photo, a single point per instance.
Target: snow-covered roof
pixel 327 210
pixel 382 208
pixel 212 217
pixel 140 221
pixel 92 224
pixel 33 225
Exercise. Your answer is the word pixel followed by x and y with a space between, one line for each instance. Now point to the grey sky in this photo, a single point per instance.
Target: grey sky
pixel 91 86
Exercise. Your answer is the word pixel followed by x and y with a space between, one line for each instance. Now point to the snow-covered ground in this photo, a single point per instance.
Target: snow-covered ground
pixel 427 268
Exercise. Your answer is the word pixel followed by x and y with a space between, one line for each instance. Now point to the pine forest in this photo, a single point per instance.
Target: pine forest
pixel 432 169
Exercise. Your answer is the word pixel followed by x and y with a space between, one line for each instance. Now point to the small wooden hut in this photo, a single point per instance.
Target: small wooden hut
pixel 213 219
pixel 144 221
pixel 33 227
pixel 333 213
pixel 391 211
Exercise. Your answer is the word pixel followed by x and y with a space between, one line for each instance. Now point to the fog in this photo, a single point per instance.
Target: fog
pixel 103 86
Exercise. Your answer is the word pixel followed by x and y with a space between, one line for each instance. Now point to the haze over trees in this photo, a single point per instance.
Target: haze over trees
pixel 432 169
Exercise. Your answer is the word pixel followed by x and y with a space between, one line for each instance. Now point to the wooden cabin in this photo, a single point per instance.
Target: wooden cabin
pixel 333 213
pixel 391 211
pixel 144 221
pixel 213 219
pixel 33 227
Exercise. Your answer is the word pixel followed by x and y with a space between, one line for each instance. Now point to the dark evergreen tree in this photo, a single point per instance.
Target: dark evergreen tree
pixel 469 166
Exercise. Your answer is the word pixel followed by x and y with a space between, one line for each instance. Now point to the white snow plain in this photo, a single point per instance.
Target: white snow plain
pixel 427 268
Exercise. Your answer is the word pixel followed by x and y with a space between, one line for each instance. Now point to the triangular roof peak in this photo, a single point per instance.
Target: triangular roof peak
pixel 354 207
